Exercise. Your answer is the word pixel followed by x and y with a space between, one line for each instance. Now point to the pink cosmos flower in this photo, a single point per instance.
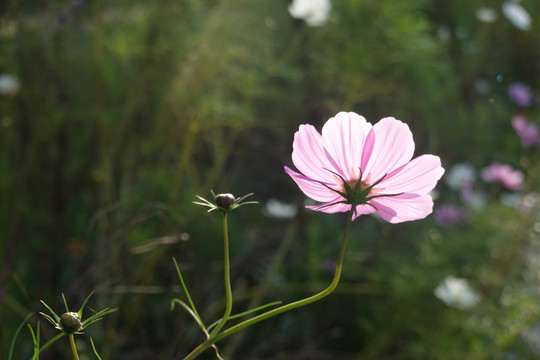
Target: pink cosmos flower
pixel 520 94
pixel 354 163
pixel 528 132
pixel 446 215
pixel 503 173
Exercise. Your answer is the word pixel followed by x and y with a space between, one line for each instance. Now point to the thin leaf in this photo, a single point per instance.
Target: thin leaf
pixel 90 323
pixel 84 304
pixel 244 197
pixel 236 316
pixel 200 203
pixel 51 320
pixel 56 317
pixel 94 348
pixel 65 302
pixel 35 340
pixel 12 346
pixel 50 342
pixel 191 312
pixel 37 345
pixel 191 304
pixel 96 317
pixel 218 355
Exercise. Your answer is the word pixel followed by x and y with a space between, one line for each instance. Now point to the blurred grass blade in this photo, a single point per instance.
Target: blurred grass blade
pixel 12 346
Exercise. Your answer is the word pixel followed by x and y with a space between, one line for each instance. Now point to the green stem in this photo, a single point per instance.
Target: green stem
pixel 209 342
pixel 227 279
pixel 73 347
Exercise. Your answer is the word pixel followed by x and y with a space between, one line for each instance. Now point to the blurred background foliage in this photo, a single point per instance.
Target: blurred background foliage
pixel 125 110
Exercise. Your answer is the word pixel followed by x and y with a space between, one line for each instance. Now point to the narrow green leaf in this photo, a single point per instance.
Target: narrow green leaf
pixel 56 317
pixel 236 316
pixel 84 304
pixel 53 340
pixel 92 319
pixel 65 302
pixel 94 348
pixel 191 312
pixel 19 328
pixel 34 340
pixel 191 304
pixel 50 319
pixel 36 349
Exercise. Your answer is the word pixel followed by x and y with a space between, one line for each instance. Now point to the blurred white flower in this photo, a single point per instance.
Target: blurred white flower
pixel 457 293
pixel 529 202
pixel 474 199
pixel 460 176
pixel 517 15
pixel 313 12
pixel 510 199
pixel 481 86
pixel 9 84
pixel 277 209
pixel 443 33
pixel 531 337
pixel 487 15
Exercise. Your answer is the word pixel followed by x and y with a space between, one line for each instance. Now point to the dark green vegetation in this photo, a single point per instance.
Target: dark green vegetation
pixel 128 109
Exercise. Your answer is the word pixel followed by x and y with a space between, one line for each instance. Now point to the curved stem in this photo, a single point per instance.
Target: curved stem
pixel 227 278
pixel 205 345
pixel 73 347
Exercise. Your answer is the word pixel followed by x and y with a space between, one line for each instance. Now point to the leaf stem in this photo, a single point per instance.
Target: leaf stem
pixel 213 339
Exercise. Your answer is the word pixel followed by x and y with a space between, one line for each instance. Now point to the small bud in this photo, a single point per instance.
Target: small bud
pixel 224 201
pixel 70 322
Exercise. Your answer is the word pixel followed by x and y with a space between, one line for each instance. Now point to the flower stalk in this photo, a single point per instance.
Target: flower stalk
pixel 73 347
pixel 215 337
pixel 227 278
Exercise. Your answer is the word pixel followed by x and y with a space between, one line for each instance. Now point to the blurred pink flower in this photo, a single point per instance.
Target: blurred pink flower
pixel 503 173
pixel 528 132
pixel 446 215
pixel 520 94
pixel 353 163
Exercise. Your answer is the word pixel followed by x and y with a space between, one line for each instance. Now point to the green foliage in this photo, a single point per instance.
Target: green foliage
pixel 128 109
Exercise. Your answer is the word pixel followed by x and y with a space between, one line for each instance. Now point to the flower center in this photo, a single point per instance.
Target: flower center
pixel 358 192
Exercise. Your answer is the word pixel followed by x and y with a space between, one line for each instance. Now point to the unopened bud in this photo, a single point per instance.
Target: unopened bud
pixel 70 322
pixel 224 201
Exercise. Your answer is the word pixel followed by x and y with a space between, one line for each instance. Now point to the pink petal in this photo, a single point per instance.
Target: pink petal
pixel 312 188
pixel 363 210
pixel 419 176
pixel 344 136
pixel 405 207
pixel 330 209
pixel 309 156
pixel 391 147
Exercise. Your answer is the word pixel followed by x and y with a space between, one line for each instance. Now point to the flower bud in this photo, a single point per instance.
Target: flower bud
pixel 224 201
pixel 70 322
